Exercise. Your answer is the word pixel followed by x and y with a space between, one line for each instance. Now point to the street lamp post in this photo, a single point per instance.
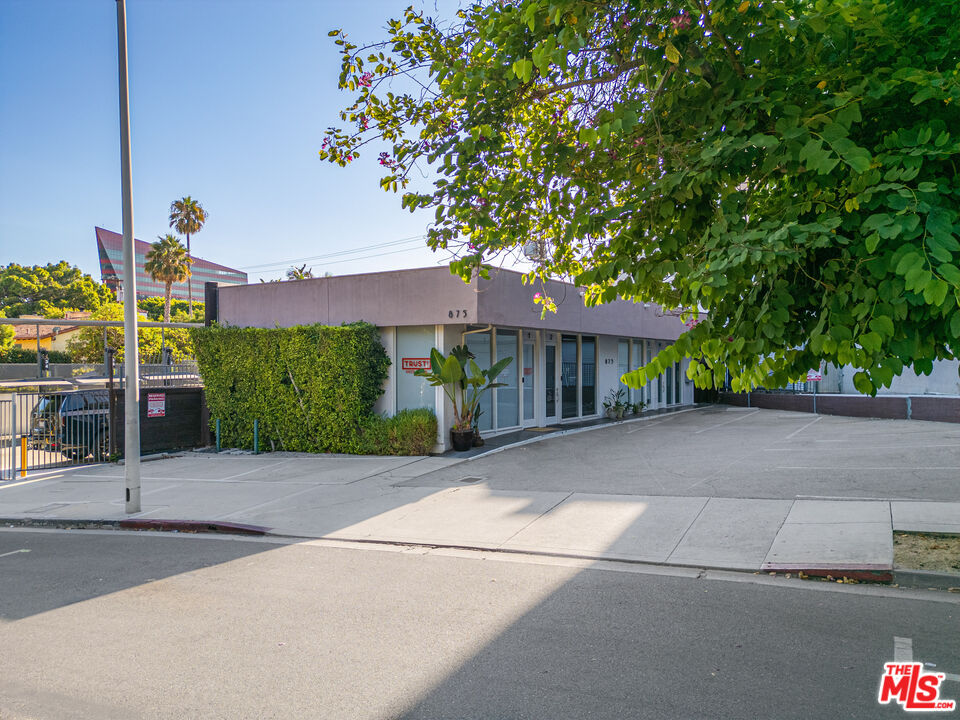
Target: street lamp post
pixel 131 382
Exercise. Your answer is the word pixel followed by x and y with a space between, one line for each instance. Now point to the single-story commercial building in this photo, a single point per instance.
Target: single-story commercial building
pixel 565 364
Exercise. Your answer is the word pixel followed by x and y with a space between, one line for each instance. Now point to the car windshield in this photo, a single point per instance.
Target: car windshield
pixel 47 404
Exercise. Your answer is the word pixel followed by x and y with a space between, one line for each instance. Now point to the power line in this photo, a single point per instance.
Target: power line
pixel 285 263
pixel 365 257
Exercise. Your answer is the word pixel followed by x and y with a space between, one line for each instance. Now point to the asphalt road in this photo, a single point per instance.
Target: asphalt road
pixel 117 625
pixel 720 451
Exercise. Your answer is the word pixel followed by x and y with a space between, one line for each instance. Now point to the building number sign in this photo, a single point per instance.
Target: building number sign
pixel 457 314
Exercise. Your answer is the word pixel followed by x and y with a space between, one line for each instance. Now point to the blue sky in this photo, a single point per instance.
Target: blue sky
pixel 229 101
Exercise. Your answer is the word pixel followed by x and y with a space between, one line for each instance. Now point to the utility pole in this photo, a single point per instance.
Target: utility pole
pixel 131 379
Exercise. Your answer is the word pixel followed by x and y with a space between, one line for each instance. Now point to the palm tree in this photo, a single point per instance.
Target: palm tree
pixel 187 217
pixel 299 273
pixel 168 262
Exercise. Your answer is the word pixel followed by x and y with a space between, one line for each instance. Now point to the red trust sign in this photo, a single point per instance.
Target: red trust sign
pixel 411 364
pixel 908 685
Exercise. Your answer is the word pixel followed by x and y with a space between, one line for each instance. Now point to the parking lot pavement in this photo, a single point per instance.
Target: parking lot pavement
pixel 719 451
pixel 704 488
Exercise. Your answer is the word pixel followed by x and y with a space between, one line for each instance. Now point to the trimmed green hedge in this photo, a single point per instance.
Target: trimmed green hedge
pixel 312 388
pixel 22 355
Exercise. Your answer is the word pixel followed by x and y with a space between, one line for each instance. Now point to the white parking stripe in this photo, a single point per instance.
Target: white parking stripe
pixel 736 419
pixel 15 552
pixel 902 649
pixel 903 653
pixel 800 430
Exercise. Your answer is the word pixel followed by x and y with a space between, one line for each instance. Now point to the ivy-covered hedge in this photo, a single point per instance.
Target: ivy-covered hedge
pixel 312 387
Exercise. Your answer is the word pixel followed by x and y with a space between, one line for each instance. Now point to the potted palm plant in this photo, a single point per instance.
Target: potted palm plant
pixel 464 382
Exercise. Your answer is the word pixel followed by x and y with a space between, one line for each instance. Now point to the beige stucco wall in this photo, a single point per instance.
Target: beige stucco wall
pixel 432 296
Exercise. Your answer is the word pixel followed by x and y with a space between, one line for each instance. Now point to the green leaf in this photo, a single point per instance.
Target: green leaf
pixel 950 273
pixel 940 224
pixel 871 341
pixel 764 141
pixel 862 383
pixel 523 69
pixel 882 324
pixel 908 262
pixel 955 324
pixel 872 241
pixel 876 221
pixel 935 291
pixel 673 55
pixel 811 152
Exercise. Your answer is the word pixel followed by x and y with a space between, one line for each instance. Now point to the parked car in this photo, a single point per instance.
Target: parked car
pixel 74 423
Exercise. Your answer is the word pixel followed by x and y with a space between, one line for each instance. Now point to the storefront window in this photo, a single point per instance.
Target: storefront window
pixel 550 383
pixel 479 345
pixel 647 358
pixel 588 364
pixel 508 397
pixel 623 366
pixel 676 382
pixel 413 348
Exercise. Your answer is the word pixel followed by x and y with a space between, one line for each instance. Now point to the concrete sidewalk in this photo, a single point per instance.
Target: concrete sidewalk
pixel 372 499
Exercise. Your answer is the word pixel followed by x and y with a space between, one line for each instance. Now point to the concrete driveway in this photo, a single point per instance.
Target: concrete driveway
pixel 726 452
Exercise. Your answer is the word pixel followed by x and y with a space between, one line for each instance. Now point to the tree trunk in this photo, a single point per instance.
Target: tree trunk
pixel 166 301
pixel 189 285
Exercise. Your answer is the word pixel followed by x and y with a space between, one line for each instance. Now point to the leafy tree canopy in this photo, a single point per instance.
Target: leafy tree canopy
pixel 49 290
pixel 87 344
pixel 153 307
pixel 6 336
pixel 786 172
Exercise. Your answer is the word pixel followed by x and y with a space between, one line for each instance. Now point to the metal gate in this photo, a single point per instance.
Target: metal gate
pixel 40 430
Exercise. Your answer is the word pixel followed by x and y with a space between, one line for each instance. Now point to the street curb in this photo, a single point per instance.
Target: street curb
pixel 189 526
pixel 918 579
pixel 927 579
pixel 876 577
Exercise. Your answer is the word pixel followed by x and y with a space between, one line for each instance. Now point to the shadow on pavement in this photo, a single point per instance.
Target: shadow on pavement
pixel 621 645
pixel 55 572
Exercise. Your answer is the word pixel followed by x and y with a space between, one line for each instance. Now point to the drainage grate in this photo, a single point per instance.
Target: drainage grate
pixel 470 479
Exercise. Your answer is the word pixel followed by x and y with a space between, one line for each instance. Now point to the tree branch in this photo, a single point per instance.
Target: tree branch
pixel 708 24
pixel 615 73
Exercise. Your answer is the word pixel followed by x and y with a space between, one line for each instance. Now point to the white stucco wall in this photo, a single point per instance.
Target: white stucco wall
pixel 944 380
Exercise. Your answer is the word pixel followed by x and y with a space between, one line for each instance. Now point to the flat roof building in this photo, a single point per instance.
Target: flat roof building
pixel 565 364
pixel 110 251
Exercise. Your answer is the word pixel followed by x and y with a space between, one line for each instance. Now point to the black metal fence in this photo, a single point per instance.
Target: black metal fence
pixel 47 429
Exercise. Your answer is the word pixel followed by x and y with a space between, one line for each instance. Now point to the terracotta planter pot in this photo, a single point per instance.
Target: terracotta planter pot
pixel 461 440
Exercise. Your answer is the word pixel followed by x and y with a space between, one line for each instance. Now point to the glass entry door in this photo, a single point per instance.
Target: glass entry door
pixel 550 382
pixel 569 376
pixel 527 376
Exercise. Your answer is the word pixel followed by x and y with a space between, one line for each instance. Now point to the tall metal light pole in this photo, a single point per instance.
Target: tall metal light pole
pixel 131 381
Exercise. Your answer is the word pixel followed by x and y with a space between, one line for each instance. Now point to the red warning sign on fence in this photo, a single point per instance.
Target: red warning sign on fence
pixel 156 405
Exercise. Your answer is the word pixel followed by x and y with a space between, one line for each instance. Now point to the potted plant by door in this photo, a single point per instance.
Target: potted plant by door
pixel 478 440
pixel 614 404
pixel 464 382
